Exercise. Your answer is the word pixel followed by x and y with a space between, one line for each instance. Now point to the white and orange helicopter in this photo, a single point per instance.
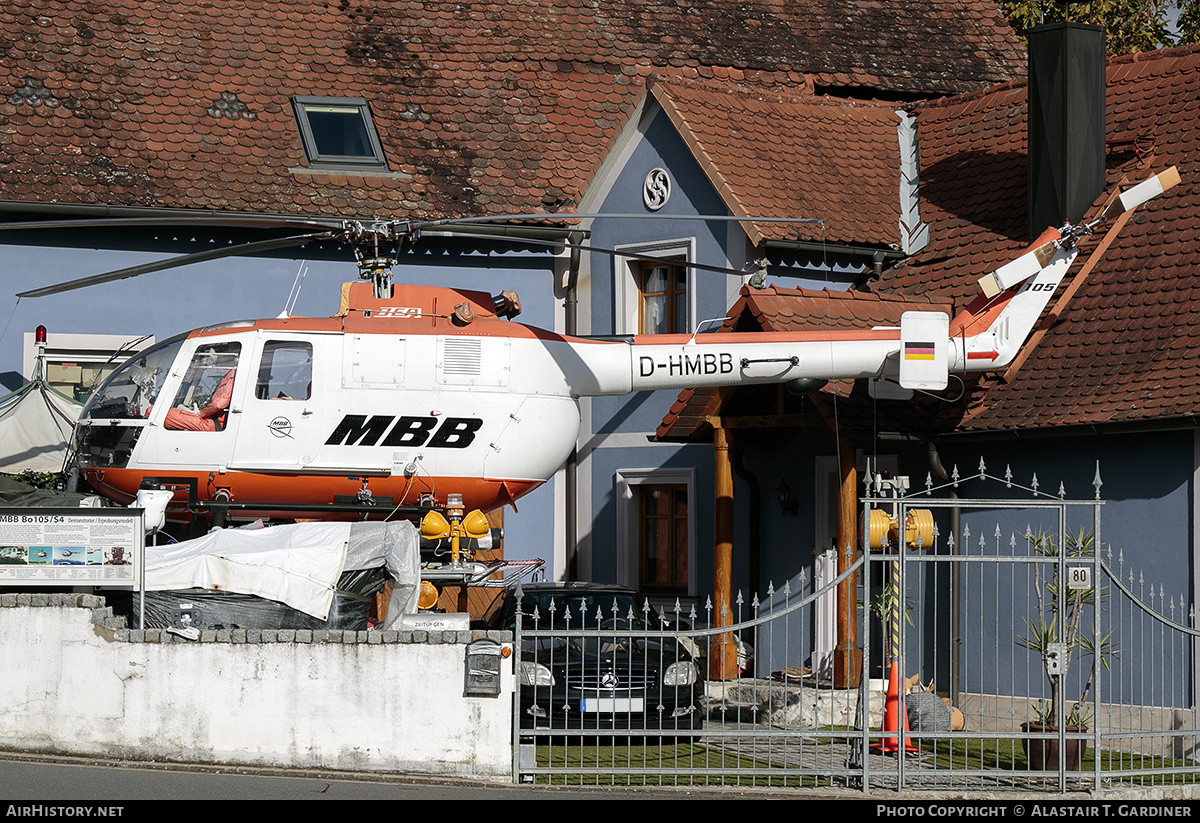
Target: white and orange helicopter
pixel 413 398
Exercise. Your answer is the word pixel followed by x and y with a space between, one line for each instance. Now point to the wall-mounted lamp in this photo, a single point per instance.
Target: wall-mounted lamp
pixel 787 502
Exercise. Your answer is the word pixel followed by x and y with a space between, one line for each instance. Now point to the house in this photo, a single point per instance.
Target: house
pixel 1103 391
pixel 369 108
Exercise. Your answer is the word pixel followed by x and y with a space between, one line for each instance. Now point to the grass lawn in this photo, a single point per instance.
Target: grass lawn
pixel 637 761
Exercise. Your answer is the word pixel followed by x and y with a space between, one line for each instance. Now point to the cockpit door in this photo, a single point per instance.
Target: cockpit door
pixel 279 415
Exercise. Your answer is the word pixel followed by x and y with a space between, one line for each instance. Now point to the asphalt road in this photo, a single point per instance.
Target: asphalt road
pixel 55 781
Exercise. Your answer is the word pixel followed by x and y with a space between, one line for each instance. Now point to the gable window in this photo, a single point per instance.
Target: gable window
pixel 654 297
pixel 662 290
pixel 338 131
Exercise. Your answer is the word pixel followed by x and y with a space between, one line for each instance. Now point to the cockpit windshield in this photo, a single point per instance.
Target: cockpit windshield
pixel 132 390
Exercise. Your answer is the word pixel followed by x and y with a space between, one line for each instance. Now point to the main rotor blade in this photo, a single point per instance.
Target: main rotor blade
pixel 227 222
pixel 175 262
pixel 704 218
pixel 533 241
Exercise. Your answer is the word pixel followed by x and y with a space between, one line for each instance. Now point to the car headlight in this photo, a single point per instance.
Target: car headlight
pixel 680 674
pixel 535 674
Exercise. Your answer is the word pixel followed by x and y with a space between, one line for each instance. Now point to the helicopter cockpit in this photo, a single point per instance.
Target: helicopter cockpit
pixel 127 395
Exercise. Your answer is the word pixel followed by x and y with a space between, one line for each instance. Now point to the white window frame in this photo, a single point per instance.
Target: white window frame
pixel 85 349
pixel 627 294
pixel 628 546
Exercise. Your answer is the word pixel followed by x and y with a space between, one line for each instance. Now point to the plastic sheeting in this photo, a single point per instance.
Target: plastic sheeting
pixel 35 427
pixel 201 609
pixel 297 565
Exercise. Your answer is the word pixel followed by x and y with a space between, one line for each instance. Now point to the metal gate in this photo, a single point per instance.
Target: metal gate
pixel 1011 611
pixel 1003 648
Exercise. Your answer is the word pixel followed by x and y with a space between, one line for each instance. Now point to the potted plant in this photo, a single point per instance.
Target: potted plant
pixel 1057 634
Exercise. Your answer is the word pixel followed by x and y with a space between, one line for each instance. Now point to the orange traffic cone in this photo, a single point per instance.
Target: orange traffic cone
pixel 894 716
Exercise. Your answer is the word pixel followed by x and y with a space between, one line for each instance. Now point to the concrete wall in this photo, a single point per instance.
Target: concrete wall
pixel 75 681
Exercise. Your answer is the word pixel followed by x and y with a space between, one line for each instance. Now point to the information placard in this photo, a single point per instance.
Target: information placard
pixel 71 547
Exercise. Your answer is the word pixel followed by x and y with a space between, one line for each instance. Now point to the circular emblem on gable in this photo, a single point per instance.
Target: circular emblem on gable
pixel 656 189
pixel 280 427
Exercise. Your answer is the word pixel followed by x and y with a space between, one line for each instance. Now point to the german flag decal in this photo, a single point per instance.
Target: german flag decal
pixel 918 351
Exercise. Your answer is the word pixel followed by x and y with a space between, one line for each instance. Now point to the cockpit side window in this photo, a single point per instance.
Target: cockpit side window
pixel 285 371
pixel 202 402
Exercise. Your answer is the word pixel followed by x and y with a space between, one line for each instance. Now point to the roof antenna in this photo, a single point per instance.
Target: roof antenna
pixel 294 294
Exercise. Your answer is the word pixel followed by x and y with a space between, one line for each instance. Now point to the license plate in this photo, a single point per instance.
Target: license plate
pixel 611 705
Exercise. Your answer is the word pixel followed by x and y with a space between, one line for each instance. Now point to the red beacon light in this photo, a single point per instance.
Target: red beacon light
pixel 39 335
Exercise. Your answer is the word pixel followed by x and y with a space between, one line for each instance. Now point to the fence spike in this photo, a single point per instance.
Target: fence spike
pixel 928 484
pixel 982 470
pixel 1007 476
pixel 1034 484
pixel 1062 491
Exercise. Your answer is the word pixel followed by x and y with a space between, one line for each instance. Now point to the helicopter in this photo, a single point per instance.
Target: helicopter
pixel 413 398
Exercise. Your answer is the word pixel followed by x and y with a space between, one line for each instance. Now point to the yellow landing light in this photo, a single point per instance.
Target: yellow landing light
pixel 885 530
pixel 434 526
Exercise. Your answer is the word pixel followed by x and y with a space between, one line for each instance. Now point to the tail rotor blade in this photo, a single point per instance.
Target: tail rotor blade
pixel 1040 254
pixel 1143 191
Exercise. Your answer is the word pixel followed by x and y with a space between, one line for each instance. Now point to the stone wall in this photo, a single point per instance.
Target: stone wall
pixel 74 680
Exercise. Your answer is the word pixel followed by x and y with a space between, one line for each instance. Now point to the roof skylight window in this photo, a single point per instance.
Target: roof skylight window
pixel 338 132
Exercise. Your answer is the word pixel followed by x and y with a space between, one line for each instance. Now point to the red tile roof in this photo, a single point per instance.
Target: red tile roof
pixel 481 107
pixel 1125 347
pixel 828 158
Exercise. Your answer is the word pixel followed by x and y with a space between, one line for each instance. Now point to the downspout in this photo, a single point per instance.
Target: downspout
pixel 935 465
pixel 571 479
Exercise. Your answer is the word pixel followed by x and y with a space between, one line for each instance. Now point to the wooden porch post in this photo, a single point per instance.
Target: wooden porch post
pixel 847 655
pixel 722 658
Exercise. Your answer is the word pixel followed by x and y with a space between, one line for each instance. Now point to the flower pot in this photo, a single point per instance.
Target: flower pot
pixel 1041 754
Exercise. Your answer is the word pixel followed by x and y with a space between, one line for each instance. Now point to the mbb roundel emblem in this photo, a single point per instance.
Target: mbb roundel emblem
pixel 280 427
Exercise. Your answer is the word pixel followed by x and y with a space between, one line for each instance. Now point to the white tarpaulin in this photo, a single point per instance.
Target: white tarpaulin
pixel 35 428
pixel 298 564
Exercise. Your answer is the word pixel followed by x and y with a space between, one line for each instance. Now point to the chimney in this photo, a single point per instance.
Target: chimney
pixel 1066 122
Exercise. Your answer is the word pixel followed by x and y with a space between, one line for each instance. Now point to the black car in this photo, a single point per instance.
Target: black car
pixel 597 656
